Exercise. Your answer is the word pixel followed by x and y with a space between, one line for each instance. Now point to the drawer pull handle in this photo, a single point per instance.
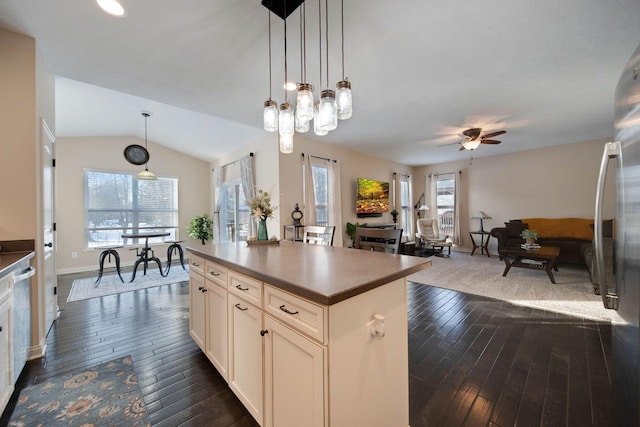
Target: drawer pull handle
pixel 195 264
pixel 239 307
pixel 283 308
pixel 263 332
pixel 1 329
pixel 213 273
pixel 241 288
pixel 200 288
pixel 204 290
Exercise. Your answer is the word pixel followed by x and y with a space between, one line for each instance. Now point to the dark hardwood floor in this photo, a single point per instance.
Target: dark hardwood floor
pixel 472 360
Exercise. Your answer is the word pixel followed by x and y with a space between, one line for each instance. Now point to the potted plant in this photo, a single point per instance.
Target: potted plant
pixel 200 228
pixel 394 215
pixel 351 230
pixel 530 236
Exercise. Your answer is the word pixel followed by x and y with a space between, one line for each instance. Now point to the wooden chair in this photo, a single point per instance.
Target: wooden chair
pixel 317 235
pixel 376 239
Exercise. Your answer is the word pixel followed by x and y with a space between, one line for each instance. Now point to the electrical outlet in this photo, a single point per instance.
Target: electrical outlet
pixel 74 255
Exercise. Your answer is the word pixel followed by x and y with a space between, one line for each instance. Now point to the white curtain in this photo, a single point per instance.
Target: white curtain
pixel 248 185
pixel 335 200
pixel 457 235
pixel 433 201
pixel 309 203
pixel 219 235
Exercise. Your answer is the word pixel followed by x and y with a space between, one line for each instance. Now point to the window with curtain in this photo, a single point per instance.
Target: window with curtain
pixel 118 203
pixel 445 203
pixel 237 214
pixel 405 206
pixel 321 192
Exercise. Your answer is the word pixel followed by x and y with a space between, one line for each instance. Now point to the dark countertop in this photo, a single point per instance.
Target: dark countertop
pixel 9 260
pixel 326 275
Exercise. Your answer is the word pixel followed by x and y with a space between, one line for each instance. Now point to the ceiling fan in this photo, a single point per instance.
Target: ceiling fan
pixel 473 138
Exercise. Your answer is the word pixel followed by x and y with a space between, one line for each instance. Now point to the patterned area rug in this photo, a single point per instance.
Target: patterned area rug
pixel 110 284
pixel 105 395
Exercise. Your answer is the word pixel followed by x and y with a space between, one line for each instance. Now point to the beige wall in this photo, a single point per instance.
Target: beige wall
pixel 74 155
pixel 553 182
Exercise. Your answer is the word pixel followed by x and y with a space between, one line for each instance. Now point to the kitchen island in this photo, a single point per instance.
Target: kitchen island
pixel 306 335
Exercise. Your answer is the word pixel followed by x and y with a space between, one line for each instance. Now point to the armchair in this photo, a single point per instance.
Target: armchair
pixel 428 233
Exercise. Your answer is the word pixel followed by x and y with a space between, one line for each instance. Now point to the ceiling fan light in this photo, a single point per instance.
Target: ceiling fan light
pixel 471 145
pixel 344 100
pixel 270 116
pixel 112 7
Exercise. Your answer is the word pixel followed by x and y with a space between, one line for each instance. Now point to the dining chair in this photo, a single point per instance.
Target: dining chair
pixel 319 235
pixel 376 239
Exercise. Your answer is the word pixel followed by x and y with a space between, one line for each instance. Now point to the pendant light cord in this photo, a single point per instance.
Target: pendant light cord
pixel 342 25
pixel 286 95
pixel 320 38
pixel 269 20
pixel 326 36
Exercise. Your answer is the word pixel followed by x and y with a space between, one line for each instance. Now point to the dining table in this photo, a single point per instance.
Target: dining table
pixel 145 254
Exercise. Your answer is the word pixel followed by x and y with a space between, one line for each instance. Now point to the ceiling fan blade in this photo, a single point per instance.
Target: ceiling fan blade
pixel 490 141
pixel 492 134
pixel 451 143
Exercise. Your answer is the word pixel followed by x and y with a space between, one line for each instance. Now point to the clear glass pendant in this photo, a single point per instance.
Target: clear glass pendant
pixel 286 144
pixel 316 120
pixel 270 116
pixel 344 100
pixel 302 126
pixel 304 102
pixel 328 111
pixel 286 119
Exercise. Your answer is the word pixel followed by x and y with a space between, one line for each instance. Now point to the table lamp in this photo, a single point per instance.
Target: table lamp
pixel 481 216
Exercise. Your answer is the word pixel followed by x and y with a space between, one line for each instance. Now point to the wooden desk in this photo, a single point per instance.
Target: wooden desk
pixel 143 256
pixel 483 243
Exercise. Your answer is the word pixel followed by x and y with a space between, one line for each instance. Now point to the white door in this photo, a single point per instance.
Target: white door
pixel 48 237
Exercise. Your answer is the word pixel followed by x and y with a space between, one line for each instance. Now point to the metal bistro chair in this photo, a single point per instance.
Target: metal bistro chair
pixel 376 239
pixel 318 235
pixel 175 246
pixel 107 251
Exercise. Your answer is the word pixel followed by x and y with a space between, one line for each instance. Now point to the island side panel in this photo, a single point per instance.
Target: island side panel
pixel 369 380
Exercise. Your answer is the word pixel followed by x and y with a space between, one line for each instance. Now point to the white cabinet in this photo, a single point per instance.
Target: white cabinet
pixel 197 312
pixel 6 342
pixel 295 378
pixel 245 354
pixel 216 347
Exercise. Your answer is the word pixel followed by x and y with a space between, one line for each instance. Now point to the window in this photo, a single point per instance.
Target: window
pixel 119 203
pixel 237 214
pixel 445 203
pixel 321 193
pixel 405 206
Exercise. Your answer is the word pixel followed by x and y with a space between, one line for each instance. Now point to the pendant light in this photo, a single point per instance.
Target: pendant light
pixel 146 174
pixel 270 114
pixel 328 111
pixel 304 101
pixel 344 100
pixel 286 120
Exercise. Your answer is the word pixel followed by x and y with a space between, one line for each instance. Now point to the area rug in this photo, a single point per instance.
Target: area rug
pixel 104 395
pixel 572 294
pixel 110 284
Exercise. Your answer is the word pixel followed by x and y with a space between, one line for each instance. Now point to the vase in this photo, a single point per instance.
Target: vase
pixel 262 230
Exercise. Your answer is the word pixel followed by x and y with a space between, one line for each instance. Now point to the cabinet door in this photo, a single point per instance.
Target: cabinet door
pixel 216 328
pixel 197 310
pixel 6 356
pixel 295 382
pixel 245 354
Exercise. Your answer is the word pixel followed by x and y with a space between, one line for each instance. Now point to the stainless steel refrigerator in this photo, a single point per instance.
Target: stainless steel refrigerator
pixel 623 291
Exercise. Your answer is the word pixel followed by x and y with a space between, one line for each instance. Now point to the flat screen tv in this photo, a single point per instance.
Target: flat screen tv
pixel 372 198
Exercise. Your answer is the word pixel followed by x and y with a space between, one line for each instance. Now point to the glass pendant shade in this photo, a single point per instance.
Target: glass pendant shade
pixel 286 120
pixel 302 126
pixel 328 110
pixel 344 100
pixel 270 116
pixel 471 145
pixel 316 120
pixel 286 144
pixel 304 102
pixel 146 174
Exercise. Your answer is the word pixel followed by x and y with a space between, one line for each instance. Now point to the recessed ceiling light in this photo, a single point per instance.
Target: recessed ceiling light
pixel 112 7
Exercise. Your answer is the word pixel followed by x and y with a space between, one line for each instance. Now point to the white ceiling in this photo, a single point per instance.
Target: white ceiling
pixel 422 71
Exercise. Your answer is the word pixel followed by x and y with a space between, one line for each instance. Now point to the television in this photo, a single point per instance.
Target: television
pixel 372 198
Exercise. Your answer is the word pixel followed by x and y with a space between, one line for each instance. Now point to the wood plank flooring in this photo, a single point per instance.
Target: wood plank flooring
pixel 473 361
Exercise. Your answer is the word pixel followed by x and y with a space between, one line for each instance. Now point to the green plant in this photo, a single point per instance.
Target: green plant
pixel 529 234
pixel 351 229
pixel 200 228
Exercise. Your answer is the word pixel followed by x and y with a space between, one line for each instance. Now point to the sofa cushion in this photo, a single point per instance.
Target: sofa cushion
pixel 574 228
pixel 514 229
pixel 607 228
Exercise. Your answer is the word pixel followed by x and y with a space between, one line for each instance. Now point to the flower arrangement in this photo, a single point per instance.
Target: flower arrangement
pixel 261 206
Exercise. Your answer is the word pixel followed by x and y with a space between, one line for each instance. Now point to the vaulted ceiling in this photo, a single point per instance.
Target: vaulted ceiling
pixel 422 72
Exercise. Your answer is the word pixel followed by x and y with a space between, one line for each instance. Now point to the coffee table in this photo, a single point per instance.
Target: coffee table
pixel 544 258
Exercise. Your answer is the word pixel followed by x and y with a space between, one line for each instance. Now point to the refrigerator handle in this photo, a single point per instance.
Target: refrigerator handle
pixel 611 151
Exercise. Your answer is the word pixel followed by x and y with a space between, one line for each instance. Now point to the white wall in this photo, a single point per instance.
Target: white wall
pixel 74 155
pixel 553 182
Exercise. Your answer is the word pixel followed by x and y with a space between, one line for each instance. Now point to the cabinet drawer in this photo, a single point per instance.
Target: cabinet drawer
pixel 216 273
pixel 245 287
pixel 296 312
pixel 196 264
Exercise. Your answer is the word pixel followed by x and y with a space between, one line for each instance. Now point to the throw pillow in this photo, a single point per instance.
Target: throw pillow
pixel 514 229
